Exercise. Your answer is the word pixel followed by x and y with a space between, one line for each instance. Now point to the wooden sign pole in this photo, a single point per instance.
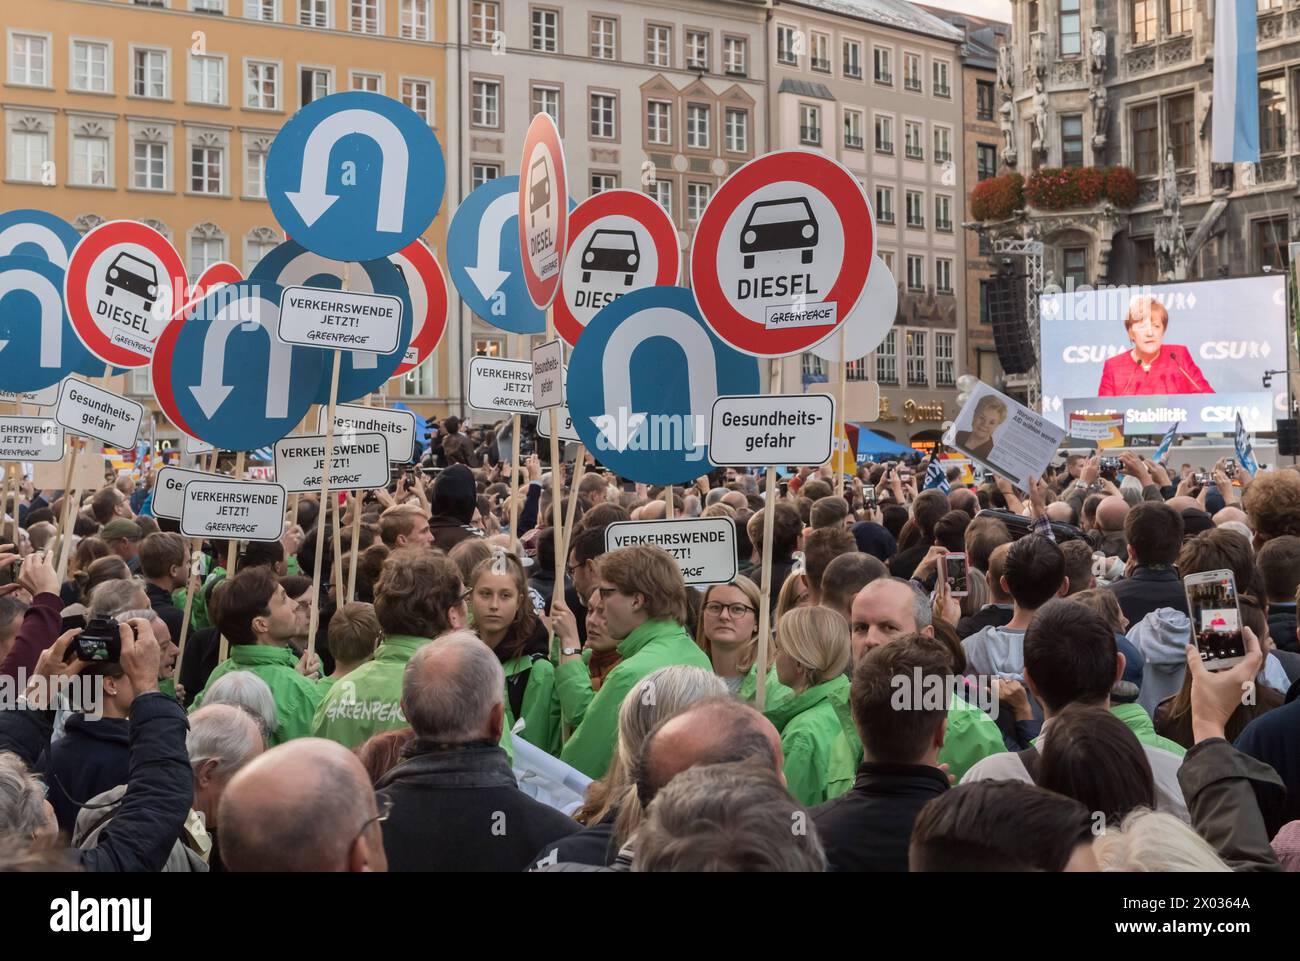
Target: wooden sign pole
pixel 514 484
pixel 314 620
pixel 231 553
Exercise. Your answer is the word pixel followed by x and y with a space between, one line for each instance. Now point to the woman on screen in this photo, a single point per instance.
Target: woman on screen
pixel 989 414
pixel 1151 366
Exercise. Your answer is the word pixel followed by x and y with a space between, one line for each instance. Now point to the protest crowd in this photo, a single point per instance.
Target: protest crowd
pixel 482 707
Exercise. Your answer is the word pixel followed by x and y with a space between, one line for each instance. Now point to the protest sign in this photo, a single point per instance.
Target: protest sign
pixel 343 319
pixel 30 438
pixel 95 412
pixel 169 489
pixel 1004 436
pixel 359 462
pixel 397 426
pixel 504 386
pixel 1101 430
pixel 548 375
pixel 792 429
pixel 232 509
pixel 45 397
pixel 703 547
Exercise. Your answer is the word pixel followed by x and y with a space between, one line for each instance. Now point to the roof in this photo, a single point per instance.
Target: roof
pixel 981 47
pixel 805 88
pixel 890 13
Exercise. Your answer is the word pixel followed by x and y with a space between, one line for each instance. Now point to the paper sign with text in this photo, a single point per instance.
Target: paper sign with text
pixel 30 438
pixel 45 397
pixel 360 462
pixel 793 429
pixel 703 547
pixel 169 489
pixel 398 426
pixel 504 386
pixel 94 412
pixel 341 319
pixel 233 509
pixel 548 375
pixel 1004 436
pixel 567 431
pixel 1104 430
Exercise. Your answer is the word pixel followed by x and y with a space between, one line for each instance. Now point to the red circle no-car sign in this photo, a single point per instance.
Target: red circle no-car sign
pixel 428 289
pixel 543 209
pixel 619 241
pixel 782 252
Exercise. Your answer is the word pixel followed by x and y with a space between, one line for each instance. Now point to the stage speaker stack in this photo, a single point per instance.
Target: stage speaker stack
pixel 1288 437
pixel 1007 314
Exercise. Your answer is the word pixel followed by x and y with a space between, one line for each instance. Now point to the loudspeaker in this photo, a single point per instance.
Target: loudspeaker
pixel 1007 313
pixel 1288 437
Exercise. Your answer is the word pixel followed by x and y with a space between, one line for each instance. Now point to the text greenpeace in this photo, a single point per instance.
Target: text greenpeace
pixel 226 509
pixel 77 915
pixel 704 548
pixel 504 386
pixel 624 430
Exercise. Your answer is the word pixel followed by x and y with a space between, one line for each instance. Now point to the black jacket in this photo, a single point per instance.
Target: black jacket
pixel 1271 738
pixel 990 615
pixel 1148 588
pixel 202 650
pixel 90 758
pixel 592 845
pixel 1281 625
pixel 161 602
pixel 868 828
pixel 904 563
pixel 459 809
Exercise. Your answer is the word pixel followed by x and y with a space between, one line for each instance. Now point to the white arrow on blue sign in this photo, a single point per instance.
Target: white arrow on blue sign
pixel 38 345
pixel 355 176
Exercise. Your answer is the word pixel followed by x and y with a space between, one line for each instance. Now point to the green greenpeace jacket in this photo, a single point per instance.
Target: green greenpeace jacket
pixel 573 687
pixel 1139 722
pixel 541 707
pixel 296 697
pixel 776 692
pixel 809 727
pixel 655 644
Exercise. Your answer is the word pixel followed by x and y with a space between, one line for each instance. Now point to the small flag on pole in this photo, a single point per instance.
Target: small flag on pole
pixel 1245 452
pixel 1162 452
pixel 935 478
pixel 1235 125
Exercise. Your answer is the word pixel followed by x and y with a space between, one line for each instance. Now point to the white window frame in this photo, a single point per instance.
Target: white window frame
pixel 607 180
pixel 166 55
pixel 695 209
pixel 909 125
pixel 223 173
pixel 107 139
pixel 486 82
pixel 692 61
pixel 919 261
pixel 886 358
pixel 883 123
pixel 191 61
pixel 479 32
pixel 910 56
pixel 250 188
pixel 316 69
pixel 791 59
pixel 271 9
pixel 474 168
pixel 945 356
pixel 940 131
pixel 46 81
pixel 249 243
pixel 535 106
pixel 919 206
pixel 313 10
pixel 403 80
pixel 603 45
pixel 729 45
pixel 882 192
pixel 943 265
pixel 879 53
pixel 810 112
pixel 855 43
pixel 355 75
pixel 195 268
pixel 731 142
pixel 611 122
pixel 694 129
pixel 415 19
pixel 946 90
pixel 652 129
pixel 551 45
pixel 921 360
pixel 854 115
pixel 166 146
pixel 943 200
pixel 90 42
pixel 816 37
pixel 658 190
pixel 377 26
pixel 659 45
pixel 249 63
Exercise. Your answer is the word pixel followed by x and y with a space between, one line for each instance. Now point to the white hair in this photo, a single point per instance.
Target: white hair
pixel 223 733
pixel 247 691
pixel 1152 841
pixel 22 808
pixel 1240 528
pixel 452 704
pixel 111 598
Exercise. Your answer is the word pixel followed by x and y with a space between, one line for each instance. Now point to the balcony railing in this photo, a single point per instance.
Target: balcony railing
pixel 944 225
pixel 811 135
pixel 885 146
pixel 853 71
pixel 942 156
pixel 885 77
pixel 821 63
pixel 944 91
pixel 885 216
pixel 852 142
pixel 915 153
pixel 912 83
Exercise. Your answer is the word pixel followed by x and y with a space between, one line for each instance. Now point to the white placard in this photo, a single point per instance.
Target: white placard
pixel 397 426
pixel 45 397
pixel 567 432
pixel 93 412
pixel 169 489
pixel 30 438
pixel 756 429
pixel 1004 436
pixel 341 319
pixel 703 547
pixel 193 446
pixel 505 386
pixel 233 510
pixel 360 462
pixel 548 376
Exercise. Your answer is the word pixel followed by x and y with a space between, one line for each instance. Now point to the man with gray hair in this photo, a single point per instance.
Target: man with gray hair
pixel 455 803
pixel 222 739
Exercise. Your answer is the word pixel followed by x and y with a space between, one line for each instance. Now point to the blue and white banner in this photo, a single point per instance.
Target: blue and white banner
pixel 935 478
pixel 1245 452
pixel 1167 442
pixel 1235 129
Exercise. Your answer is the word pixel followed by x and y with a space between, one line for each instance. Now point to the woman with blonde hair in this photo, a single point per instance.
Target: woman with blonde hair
pixel 728 634
pixel 812 650
pixel 793 594
pixel 1153 841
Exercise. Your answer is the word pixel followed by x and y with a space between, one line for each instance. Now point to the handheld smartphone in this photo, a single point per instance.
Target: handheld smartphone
pixel 1111 463
pixel 1202 478
pixel 952 568
pixel 869 495
pixel 1216 618
pixel 1230 468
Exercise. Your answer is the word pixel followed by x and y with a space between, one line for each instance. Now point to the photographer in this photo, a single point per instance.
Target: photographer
pixel 43 619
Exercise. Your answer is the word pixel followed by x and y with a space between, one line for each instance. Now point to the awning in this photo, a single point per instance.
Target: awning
pixel 871 444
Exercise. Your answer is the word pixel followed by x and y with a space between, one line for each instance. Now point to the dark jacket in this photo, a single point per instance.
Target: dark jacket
pixel 160 785
pixel 1281 625
pixel 1148 588
pixel 592 845
pixel 1225 790
pixel 868 827
pixel 161 603
pixel 202 649
pixel 990 615
pixel 459 809
pixel 454 500
pixel 904 563
pixel 1271 738
pixel 90 758
pixel 41 626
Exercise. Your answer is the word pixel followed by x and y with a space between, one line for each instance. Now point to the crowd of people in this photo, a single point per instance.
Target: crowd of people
pixel 1054 717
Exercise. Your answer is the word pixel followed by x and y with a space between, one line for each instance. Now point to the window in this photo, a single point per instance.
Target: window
pixel 262 85
pixel 658 46
pixel 1179 13
pixel 365 16
pixel 697 198
pixel 420 381
pixel 1271 243
pixel 257 246
pixel 915 272
pixel 734 55
pixel 851 56
pixel 986 161
pixel 418 95
pixel 546 30
pixel 1179 124
pixel 90 161
pixel 90 71
pixel 481 173
pixel 267 10
pixel 1072 141
pixel 314 13
pixel 255 171
pixel 206 165
pixel 984 99
pixel 945 361
pixel 314 83
pixel 916 376
pixel 810 124
pixel 786 49
pixel 207 79
pixel 942 145
pixel 821 52
pixel 1146 140
pixel 604 38
pixel 485 103
pixel 208 6
pixel 604 116
pixel 885 134
pixel 912 140
pixel 697 50
pixel 943 275
pixel 942 70
pixel 149 165
pixel 1272 114
pixel 603 182
pixel 368 82
pixel 737 130
pixel 912 72
pixel 1069 29
pixel 547 100
pixel 1144 20
pixel 884 71
pixel 697 126
pixel 942 212
pixel 662 192
pixel 484 20
pixel 915 201
pixel 887 258
pixel 1032 16
pixel 887 359
pixel 659 121
pixel 885 205
pixel 985 316
pixel 853 129
pixel 813 369
pixel 29 59
pixel 1074 266
pixel 29 150
pixel 149 74
pixel 413 20
pixel 205 251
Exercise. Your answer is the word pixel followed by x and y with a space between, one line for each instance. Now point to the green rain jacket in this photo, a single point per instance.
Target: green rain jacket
pixel 296 697
pixel 776 692
pixel 809 727
pixel 541 707
pixel 655 644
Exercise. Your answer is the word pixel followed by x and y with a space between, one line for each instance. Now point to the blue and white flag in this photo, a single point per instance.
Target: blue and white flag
pixel 1166 443
pixel 1245 452
pixel 1235 129
pixel 935 478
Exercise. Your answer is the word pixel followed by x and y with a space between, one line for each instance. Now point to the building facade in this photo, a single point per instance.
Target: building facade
pixel 876 84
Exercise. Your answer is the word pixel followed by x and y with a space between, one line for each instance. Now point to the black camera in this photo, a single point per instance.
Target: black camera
pixel 99 643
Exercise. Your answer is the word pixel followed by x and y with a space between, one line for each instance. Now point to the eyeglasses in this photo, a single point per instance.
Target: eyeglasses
pixel 465 595
pixel 385 805
pixel 607 592
pixel 737 611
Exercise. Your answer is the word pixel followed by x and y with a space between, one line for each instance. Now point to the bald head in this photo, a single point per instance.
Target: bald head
pixel 1111 513
pixel 1059 512
pixel 654 511
pixel 302 806
pixel 736 500
pixel 1229 514
pixel 964 499
pixel 1183 503
pixel 452 690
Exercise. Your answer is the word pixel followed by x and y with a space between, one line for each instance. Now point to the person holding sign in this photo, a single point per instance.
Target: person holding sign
pixel 728 634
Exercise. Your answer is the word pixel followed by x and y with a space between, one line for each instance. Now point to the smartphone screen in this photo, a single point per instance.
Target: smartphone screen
pixel 869 495
pixel 954 570
pixel 1216 618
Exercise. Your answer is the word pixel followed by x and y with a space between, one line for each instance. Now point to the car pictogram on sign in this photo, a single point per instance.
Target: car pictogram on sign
pixel 615 251
pixel 774 225
pixel 134 276
pixel 539 192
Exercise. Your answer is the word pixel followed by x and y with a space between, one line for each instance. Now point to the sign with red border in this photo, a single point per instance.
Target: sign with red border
pixel 619 241
pixel 218 275
pixel 782 252
pixel 543 209
pixel 428 289
pixel 124 282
